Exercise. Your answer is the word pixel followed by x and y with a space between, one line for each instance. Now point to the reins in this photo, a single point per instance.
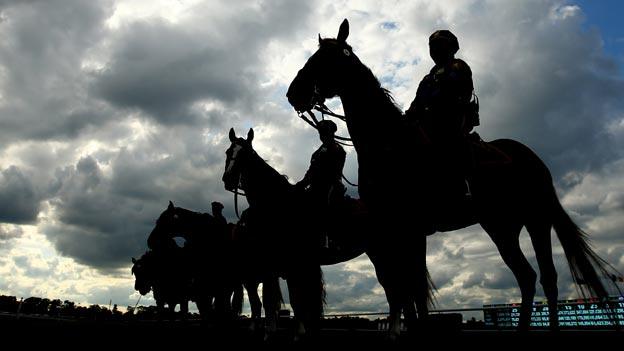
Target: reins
pixel 236 193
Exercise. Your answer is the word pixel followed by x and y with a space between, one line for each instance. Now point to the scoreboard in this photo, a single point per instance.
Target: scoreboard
pixel 581 313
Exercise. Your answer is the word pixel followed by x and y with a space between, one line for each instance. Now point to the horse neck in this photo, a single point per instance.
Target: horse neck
pixel 373 124
pixel 264 185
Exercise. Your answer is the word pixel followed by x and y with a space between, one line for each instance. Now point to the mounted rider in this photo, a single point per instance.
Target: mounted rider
pixel 445 108
pixel 322 182
pixel 223 234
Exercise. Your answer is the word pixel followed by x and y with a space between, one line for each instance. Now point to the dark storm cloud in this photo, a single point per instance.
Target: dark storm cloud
pixel 106 209
pixel 106 203
pixel 43 45
pixel 163 68
pixel 19 198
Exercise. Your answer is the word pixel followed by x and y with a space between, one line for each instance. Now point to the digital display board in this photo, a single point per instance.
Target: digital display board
pixel 581 313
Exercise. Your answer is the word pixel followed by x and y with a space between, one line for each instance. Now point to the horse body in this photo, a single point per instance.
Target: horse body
pixel 507 196
pixel 164 275
pixel 281 220
pixel 224 264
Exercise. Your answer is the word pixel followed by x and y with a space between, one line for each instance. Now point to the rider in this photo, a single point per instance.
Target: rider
pixel 221 222
pixel 323 180
pixel 444 107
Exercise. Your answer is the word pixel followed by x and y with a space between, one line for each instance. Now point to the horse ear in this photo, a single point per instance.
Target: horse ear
pixel 320 39
pixel 250 135
pixel 170 207
pixel 133 260
pixel 232 135
pixel 343 32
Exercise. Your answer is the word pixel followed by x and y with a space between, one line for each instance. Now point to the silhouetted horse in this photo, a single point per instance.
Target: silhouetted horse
pixel 281 223
pixel 507 196
pixel 249 256
pixel 208 250
pixel 166 275
pixel 225 262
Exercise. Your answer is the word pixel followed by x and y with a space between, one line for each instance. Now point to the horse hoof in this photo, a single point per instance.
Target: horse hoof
pixel 392 337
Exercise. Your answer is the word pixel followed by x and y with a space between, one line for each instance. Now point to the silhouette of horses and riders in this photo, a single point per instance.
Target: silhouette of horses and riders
pixel 508 188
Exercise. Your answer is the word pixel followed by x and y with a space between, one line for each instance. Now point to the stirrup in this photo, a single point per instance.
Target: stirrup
pixel 325 243
pixel 468 192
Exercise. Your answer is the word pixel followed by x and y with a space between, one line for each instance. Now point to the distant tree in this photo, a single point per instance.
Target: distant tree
pixel 146 312
pixel 8 303
pixel 94 311
pixel 68 308
pixel 54 308
pixel 32 305
pixel 129 312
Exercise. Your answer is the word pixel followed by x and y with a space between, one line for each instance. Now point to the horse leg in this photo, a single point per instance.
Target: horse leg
pixel 384 274
pixel 184 308
pixel 254 301
pixel 423 289
pixel 237 301
pixel 508 244
pixel 294 295
pixel 271 297
pixel 171 310
pixel 540 237
pixel 160 308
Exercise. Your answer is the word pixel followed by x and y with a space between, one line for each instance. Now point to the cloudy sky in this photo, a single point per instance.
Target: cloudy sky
pixel 108 109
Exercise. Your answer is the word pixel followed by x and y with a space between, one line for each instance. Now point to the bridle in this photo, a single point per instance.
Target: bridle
pixel 236 191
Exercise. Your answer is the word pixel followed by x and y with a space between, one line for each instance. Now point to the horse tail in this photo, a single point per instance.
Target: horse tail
pixel 586 266
pixel 323 290
pixel 431 289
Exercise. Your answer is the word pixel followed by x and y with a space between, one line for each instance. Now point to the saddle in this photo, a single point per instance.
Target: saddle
pixel 485 154
pixel 453 195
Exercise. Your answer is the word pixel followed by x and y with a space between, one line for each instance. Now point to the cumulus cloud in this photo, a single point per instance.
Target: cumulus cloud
pixel 106 115
pixel 19 198
pixel 182 73
pixel 9 232
pixel 43 47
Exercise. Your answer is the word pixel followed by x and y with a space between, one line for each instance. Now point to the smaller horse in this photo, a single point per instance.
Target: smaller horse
pixel 164 275
pixel 221 264
pixel 248 246
pixel 282 227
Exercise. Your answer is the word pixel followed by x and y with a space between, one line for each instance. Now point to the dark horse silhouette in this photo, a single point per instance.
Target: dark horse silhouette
pixel 207 252
pixel 224 264
pixel 166 274
pixel 279 220
pixel 507 197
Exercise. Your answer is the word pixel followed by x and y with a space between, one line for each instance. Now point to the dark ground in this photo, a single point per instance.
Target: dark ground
pixel 30 332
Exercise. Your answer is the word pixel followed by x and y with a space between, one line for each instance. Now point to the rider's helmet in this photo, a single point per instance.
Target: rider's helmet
pixel 326 126
pixel 443 45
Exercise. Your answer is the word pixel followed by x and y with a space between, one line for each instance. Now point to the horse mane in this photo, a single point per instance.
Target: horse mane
pixel 366 77
pixel 388 105
pixel 269 174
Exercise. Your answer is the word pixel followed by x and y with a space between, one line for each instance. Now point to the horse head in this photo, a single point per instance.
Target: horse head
pixel 325 74
pixel 237 156
pixel 168 225
pixel 176 222
pixel 142 271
